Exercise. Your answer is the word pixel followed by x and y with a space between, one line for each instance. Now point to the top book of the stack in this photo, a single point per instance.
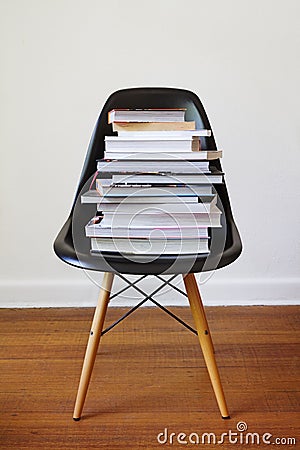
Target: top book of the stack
pixel 170 119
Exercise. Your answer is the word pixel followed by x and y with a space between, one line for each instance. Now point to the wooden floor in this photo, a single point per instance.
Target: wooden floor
pixel 149 376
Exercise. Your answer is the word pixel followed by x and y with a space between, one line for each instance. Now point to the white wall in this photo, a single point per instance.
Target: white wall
pixel 61 59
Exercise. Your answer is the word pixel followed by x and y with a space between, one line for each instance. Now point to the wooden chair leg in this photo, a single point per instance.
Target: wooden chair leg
pixel 93 343
pixel 192 282
pixel 205 340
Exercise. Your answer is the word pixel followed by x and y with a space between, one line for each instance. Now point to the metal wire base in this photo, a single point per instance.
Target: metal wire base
pixel 147 297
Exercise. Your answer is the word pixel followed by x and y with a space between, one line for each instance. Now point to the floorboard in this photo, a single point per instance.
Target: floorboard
pixel 149 376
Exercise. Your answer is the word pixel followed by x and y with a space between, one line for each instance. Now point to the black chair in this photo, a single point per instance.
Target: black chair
pixel 73 247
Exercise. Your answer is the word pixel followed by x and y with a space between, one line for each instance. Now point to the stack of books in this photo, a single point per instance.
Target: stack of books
pixel 154 188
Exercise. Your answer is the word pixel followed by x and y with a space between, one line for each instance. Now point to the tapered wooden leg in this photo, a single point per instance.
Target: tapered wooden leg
pixel 93 343
pixel 205 340
pixel 192 282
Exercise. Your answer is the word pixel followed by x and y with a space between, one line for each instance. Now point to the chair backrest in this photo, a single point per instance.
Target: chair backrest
pixel 228 245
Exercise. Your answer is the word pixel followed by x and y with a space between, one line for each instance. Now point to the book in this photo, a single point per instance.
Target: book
pixel 151 166
pixel 164 156
pixel 152 126
pixel 153 191
pixel 93 196
pixel 152 144
pixel 164 134
pixel 196 178
pixel 94 229
pixel 142 220
pixel 154 208
pixel 146 115
pixel 146 246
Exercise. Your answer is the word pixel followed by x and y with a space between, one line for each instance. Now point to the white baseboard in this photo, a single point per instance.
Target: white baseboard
pixel 45 293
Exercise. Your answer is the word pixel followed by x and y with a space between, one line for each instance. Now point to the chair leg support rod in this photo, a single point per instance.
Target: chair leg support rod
pixel 127 287
pixel 173 316
pixel 146 298
pixel 93 343
pixel 172 286
pixel 205 340
pixel 123 317
pixel 150 297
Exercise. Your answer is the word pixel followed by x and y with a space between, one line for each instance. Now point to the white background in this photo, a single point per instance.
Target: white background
pixel 61 59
